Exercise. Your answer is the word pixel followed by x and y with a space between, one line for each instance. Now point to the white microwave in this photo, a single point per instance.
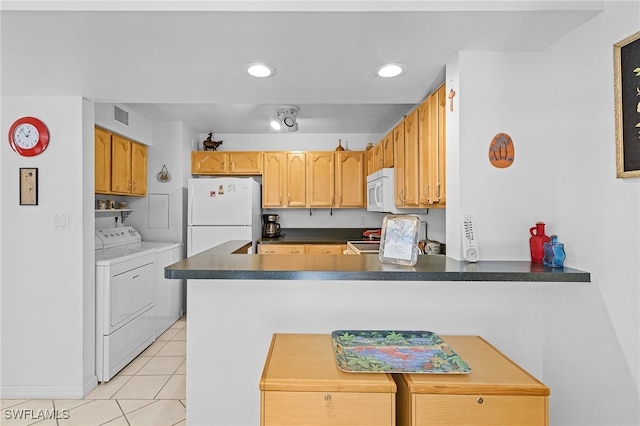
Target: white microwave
pixel 380 191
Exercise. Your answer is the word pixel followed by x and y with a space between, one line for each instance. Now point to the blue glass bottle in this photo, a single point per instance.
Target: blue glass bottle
pixel 554 254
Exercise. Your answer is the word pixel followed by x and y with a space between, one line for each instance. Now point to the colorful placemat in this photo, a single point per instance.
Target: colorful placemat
pixel 388 351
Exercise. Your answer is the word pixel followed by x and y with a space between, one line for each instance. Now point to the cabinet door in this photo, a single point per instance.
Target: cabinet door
pixel 320 179
pixel 138 169
pixel 432 142
pixel 425 140
pixel 400 166
pixel 209 162
pixel 273 179
pixel 296 179
pixel 325 248
pixel 102 161
pixel 481 410
pixel 283 408
pixel 350 179
pixel 378 153
pixel 387 151
pixel 120 165
pixel 441 152
pixel 411 159
pixel 280 248
pixel 370 162
pixel 245 162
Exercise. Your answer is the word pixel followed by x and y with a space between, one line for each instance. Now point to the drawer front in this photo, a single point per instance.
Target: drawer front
pixel 327 408
pixel 480 410
pixel 325 248
pixel 280 249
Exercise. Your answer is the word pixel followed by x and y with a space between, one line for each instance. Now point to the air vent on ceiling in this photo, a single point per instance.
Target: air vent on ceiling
pixel 120 115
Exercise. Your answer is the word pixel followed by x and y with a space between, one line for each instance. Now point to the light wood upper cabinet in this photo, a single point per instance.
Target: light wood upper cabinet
pixel 296 179
pixel 370 161
pixel 432 140
pixel 378 156
pixel 226 162
pixel 102 161
pixel 138 169
pixel 273 179
pixel 350 179
pixel 387 151
pixel 411 160
pixel 245 162
pixel 320 179
pixel 120 165
pixel 400 163
pixel 441 153
pixel 284 179
pixel 128 167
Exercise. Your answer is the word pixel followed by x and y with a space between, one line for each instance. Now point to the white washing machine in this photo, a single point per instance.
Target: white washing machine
pixel 125 314
pixel 134 302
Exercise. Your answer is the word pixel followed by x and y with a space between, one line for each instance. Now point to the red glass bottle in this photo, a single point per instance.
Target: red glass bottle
pixel 538 238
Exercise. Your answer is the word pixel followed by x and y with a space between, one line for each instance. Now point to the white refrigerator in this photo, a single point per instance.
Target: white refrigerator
pixel 222 209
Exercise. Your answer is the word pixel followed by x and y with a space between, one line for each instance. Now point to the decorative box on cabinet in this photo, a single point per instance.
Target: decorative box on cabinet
pixel 496 391
pixel 301 384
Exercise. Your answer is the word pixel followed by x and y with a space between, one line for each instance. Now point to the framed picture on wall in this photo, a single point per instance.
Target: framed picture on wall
pixel 28 186
pixel 626 58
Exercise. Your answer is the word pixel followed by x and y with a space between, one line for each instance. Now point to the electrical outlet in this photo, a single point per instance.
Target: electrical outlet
pixel 362 218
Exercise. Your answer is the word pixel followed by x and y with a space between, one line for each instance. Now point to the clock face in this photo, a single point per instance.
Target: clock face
pixel 28 136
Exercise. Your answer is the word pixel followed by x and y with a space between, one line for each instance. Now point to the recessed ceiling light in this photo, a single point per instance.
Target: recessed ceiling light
pixel 260 70
pixel 390 70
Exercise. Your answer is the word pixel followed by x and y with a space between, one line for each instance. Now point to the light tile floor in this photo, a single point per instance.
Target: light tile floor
pixel 150 391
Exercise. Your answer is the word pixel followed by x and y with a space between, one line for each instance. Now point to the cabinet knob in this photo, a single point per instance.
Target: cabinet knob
pixel 480 400
pixel 327 397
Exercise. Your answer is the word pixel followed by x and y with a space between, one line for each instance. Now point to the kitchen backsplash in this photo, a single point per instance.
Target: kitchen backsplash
pixel 353 218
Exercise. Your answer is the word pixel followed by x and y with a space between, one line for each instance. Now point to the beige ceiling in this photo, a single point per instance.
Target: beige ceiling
pixel 184 60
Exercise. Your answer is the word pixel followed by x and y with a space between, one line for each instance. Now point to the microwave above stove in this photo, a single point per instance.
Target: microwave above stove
pixel 380 191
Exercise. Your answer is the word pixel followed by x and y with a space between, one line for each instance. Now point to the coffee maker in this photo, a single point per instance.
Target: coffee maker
pixel 271 226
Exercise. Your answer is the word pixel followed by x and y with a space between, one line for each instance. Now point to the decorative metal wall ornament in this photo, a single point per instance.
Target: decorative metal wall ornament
pixel 164 176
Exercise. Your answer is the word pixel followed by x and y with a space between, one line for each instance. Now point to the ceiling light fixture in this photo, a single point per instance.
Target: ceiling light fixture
pixel 260 70
pixel 286 115
pixel 390 70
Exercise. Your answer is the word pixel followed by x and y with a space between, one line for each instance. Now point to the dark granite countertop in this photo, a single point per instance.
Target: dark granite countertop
pixel 316 236
pixel 220 263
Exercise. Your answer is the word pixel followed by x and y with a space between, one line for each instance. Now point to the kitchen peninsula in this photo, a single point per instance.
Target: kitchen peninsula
pixel 237 301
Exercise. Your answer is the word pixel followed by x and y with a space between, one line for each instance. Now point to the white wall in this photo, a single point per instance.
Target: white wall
pixel 592 334
pixel 139 128
pixel 167 149
pixel 558 108
pixel 47 276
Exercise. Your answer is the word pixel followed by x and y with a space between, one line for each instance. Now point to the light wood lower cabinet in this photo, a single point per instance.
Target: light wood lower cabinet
pixel 281 249
pixel 325 248
pixel 496 391
pixel 301 248
pixel 302 385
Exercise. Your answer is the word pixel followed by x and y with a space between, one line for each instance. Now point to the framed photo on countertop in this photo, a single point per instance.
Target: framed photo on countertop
pixel 399 239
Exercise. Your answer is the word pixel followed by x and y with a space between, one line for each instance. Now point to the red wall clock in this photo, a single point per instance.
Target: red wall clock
pixel 28 136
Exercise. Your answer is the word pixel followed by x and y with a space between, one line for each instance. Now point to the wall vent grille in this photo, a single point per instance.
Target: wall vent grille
pixel 120 115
